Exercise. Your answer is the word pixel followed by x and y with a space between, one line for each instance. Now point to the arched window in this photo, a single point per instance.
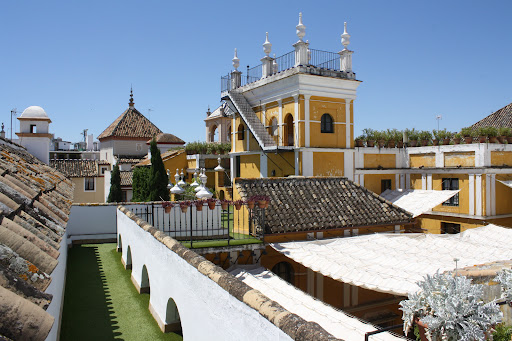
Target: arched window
pixel 273 127
pixel 327 126
pixel 285 271
pixel 289 131
pixel 214 134
pixel 229 134
pixel 241 132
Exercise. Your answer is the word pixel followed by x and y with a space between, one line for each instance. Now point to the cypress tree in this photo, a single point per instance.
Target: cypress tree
pixel 115 195
pixel 140 183
pixel 158 176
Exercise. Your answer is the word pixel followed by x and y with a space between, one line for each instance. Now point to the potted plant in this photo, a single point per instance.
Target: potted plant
pixel 468 134
pixel 225 204
pixel 482 134
pixel 199 204
pixel 380 137
pixel 359 141
pixel 211 203
pixel 447 136
pixel 425 137
pixel 250 203
pixel 413 137
pixel 437 137
pixel 238 204
pixel 492 133
pixel 449 307
pixel 369 135
pixel 456 138
pixel 184 205
pixel 262 200
pixel 167 205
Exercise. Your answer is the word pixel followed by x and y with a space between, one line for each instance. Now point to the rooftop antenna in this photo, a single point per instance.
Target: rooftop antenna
pixel 14 112
pixel 438 118
pixel 84 133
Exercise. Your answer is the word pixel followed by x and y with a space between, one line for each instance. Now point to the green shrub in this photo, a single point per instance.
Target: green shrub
pixel 115 194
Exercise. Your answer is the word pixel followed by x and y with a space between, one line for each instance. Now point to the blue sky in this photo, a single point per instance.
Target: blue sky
pixel 417 59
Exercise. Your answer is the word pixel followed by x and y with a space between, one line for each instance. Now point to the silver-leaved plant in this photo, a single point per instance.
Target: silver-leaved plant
pixel 504 278
pixel 451 307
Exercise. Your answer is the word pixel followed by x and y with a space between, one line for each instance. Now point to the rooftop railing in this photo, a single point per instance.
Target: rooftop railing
pixel 317 58
pixel 205 224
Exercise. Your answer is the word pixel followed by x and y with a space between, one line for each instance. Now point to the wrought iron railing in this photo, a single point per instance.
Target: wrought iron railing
pixel 221 225
pixel 318 58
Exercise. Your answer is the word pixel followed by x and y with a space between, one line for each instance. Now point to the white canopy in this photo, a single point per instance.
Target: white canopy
pixel 417 201
pixel 506 183
pixel 393 263
pixel 334 321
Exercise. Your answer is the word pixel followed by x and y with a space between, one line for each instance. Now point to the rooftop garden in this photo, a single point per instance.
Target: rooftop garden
pixel 198 147
pixel 392 138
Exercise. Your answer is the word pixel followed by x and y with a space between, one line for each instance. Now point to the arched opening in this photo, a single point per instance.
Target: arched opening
pixel 128 264
pixel 327 124
pixel 221 195
pixel 119 243
pixel 229 134
pixel 144 282
pixel 273 127
pixel 241 132
pixel 289 131
pixel 172 318
pixel 285 271
pixel 214 134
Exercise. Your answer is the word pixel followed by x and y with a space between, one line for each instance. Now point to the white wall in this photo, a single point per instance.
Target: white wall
pixel 198 298
pixel 56 288
pixel 37 146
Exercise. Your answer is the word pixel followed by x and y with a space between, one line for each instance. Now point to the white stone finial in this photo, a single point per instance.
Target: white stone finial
pixel 236 61
pixel 345 37
pixel 301 28
pixel 267 46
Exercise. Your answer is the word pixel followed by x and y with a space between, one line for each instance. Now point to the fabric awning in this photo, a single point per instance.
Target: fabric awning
pixel 393 263
pixel 417 201
pixel 296 301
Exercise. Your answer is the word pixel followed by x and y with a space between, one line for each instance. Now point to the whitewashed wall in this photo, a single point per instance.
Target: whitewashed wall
pixel 207 311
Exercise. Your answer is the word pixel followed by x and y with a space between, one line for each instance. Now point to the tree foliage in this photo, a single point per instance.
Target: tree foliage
pixel 115 194
pixel 140 183
pixel 158 176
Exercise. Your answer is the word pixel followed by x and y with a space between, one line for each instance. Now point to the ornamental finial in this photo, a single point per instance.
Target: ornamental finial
pixel 236 61
pixel 267 46
pixel 345 37
pixel 131 104
pixel 301 28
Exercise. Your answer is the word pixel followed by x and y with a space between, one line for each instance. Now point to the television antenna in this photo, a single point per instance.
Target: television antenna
pixel 84 133
pixel 438 118
pixel 14 112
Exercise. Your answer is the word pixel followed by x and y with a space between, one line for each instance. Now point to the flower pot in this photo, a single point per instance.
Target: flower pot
pixel 424 143
pixel 199 206
pixel 359 143
pixel 446 142
pixel 422 328
pixel 400 144
pixel 381 143
pixel 482 139
pixel 224 205
pixel 456 141
pixel 493 139
pixel 413 143
pixel 509 139
pixel 468 139
pixel 262 203
pixel 370 143
pixel 391 144
pixel 184 209
pixel 238 206
pixel 211 205
pixel 250 205
pixel 435 142
pixel 502 139
pixel 167 209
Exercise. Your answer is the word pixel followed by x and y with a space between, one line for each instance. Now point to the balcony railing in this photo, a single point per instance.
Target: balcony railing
pixel 198 227
pixel 318 58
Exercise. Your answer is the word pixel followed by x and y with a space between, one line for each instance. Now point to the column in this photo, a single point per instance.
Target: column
pixel 320 286
pixel 307 128
pixel 264 115
pixel 296 121
pixel 478 196
pixel 297 164
pixel 348 125
pixel 233 136
pixel 471 194
pixel 397 181
pixel 493 194
pixel 263 165
pixel 280 132
pixel 407 181
pixel 424 181
pixel 348 161
pixel 307 163
pixel 311 282
pixel 346 295
pixel 429 182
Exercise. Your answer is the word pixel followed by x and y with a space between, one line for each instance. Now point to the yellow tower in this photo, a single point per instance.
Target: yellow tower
pixel 293 115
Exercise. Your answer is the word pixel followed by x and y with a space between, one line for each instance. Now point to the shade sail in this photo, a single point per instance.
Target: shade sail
pixel 334 321
pixel 393 263
pixel 417 201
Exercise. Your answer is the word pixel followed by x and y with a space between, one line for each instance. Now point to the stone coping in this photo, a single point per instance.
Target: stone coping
pixel 117 203
pixel 291 324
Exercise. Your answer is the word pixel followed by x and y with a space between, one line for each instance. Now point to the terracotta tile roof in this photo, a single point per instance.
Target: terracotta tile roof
pixel 167 138
pixel 76 168
pixel 165 156
pixel 317 203
pixel 130 158
pixel 499 118
pixel 35 202
pixel 131 124
pixel 126 178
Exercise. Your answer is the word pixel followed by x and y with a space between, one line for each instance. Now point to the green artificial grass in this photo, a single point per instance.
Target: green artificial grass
pixel 100 301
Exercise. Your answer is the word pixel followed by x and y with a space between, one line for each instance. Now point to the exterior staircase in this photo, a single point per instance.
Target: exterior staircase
pixel 252 121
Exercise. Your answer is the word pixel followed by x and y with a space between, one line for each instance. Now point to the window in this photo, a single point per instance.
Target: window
pixel 229 134
pixel 124 196
pixel 449 228
pixel 241 132
pixel 385 184
pixel 138 147
pixel 89 184
pixel 33 128
pixel 285 271
pixel 237 166
pixel 326 125
pixel 102 170
pixel 451 184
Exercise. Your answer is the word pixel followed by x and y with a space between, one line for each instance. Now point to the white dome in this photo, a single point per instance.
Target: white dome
pixel 34 112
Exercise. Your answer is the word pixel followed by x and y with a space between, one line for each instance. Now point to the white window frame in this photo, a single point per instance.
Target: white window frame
pixel 138 147
pixel 93 182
